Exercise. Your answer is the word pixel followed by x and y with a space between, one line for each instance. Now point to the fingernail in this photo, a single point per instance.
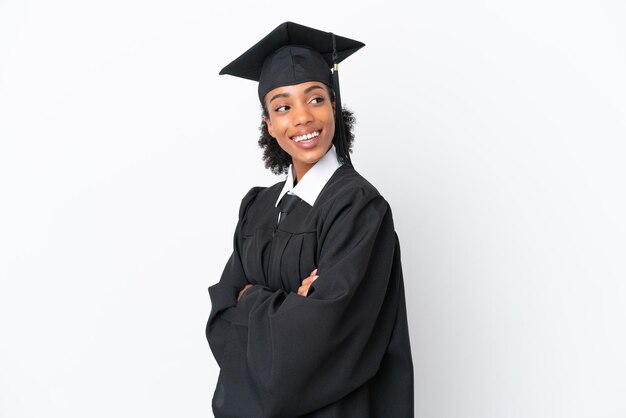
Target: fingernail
pixel 315 278
pixel 314 271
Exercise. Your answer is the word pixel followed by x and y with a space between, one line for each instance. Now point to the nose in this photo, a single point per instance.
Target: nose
pixel 301 115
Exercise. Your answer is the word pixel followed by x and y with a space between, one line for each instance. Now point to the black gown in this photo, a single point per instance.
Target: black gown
pixel 341 351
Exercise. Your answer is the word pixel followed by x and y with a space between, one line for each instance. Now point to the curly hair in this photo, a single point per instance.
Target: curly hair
pixel 276 159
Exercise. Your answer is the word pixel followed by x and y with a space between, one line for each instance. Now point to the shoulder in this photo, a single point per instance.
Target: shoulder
pixel 349 190
pixel 347 183
pixel 352 210
pixel 349 177
pixel 259 195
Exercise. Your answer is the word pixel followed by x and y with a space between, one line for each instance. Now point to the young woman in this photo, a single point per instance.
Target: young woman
pixel 309 316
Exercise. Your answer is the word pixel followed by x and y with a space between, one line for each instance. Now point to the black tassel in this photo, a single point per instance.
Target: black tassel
pixel 339 140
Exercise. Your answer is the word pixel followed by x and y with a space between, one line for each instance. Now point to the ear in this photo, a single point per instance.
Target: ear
pixel 270 128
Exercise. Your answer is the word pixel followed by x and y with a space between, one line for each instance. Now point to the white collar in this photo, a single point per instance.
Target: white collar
pixel 314 180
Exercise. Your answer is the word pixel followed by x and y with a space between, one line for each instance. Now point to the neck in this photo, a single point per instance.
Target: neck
pixel 301 169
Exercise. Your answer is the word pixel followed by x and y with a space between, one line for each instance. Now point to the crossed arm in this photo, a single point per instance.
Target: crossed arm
pixel 302 290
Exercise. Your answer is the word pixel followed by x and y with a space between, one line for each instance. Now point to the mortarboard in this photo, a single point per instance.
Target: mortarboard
pixel 294 54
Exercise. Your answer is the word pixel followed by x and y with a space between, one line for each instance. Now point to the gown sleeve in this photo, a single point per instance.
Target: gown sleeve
pixel 224 294
pixel 304 353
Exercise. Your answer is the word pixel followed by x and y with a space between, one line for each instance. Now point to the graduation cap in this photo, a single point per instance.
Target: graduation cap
pixel 293 54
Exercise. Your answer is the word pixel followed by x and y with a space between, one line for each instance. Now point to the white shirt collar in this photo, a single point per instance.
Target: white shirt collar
pixel 314 180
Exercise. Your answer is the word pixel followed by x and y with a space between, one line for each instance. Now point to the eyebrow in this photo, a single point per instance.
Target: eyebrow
pixel 279 95
pixel 308 89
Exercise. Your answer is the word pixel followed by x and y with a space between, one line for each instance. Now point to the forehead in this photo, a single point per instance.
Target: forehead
pixel 296 89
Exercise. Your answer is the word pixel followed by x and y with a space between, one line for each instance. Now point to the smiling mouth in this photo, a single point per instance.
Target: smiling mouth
pixel 305 137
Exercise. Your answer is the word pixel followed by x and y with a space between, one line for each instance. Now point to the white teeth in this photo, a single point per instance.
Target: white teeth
pixel 305 137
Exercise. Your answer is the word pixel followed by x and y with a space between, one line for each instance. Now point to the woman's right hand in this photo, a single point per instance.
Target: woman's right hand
pixel 243 290
pixel 304 289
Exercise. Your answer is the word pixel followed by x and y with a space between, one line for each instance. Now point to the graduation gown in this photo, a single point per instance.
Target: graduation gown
pixel 341 351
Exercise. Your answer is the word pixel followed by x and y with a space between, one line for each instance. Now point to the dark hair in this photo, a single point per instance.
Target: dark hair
pixel 276 159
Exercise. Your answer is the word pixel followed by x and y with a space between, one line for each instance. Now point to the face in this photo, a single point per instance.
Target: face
pixel 302 120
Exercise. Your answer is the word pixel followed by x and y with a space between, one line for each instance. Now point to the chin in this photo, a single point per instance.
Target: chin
pixel 312 155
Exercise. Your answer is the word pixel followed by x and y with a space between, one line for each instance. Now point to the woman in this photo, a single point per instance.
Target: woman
pixel 309 316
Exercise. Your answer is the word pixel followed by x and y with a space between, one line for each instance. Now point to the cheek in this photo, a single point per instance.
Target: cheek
pixel 274 129
pixel 330 122
pixel 281 138
pixel 278 127
pixel 325 115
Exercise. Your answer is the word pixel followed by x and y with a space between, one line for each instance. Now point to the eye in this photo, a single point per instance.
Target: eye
pixel 317 99
pixel 282 108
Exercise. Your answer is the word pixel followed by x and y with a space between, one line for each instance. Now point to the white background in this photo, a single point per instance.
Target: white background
pixel 495 130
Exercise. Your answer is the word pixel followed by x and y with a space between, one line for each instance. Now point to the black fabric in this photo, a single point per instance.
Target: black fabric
pixel 339 140
pixel 291 54
pixel 343 350
pixel 286 204
pixel 291 65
